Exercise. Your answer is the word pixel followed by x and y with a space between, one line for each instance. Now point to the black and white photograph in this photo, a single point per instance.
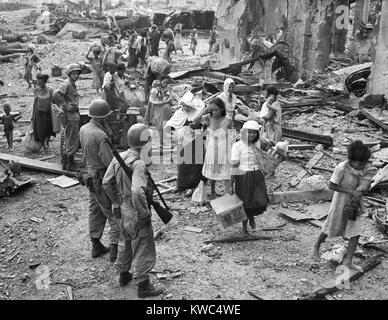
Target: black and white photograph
pixel 196 157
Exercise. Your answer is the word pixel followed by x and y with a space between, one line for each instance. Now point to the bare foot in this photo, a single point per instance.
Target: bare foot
pixel 315 256
pixel 353 266
pixel 252 224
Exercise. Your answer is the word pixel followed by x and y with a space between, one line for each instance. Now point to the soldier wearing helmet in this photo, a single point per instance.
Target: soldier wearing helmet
pixel 98 156
pixel 137 245
pixel 67 98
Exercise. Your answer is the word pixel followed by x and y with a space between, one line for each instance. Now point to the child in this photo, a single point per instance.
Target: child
pixel 96 63
pixel 7 120
pixel 271 113
pixel 249 166
pixel 32 67
pixel 213 38
pixel 350 180
pixel 193 40
pixel 178 38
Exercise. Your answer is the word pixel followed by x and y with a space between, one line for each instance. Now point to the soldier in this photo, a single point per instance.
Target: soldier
pixel 98 156
pixel 137 245
pixel 67 98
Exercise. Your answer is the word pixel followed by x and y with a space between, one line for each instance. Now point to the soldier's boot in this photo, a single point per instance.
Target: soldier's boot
pixel 147 289
pixel 124 278
pixel 113 252
pixel 70 163
pixel 64 161
pixel 98 249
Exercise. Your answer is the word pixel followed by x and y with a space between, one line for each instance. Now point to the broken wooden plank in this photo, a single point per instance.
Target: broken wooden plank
pixel 193 229
pixel 312 135
pixel 301 146
pixel 253 294
pixel 300 196
pixel 37 165
pixel 372 118
pixel 322 169
pixel 301 174
pixel 223 76
pixel 47 157
pixel 238 239
pixel 333 285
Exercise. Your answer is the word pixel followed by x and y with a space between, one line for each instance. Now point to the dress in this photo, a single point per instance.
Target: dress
pixel 272 127
pixel 41 119
pixel 97 73
pixel 178 41
pixel 217 158
pixel 336 224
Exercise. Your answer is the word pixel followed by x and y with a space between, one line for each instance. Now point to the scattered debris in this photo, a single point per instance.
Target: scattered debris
pixel 239 239
pixel 193 229
pixel 349 275
pixel 63 182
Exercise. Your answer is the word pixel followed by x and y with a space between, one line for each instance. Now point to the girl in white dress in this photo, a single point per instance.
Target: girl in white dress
pixel 216 166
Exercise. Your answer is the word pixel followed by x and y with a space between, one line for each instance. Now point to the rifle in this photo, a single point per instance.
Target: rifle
pixel 163 213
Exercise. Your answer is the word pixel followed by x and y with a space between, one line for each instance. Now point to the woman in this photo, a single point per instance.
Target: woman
pixel 217 158
pixel 41 113
pixel 142 50
pixel 271 113
pixel 154 71
pixel 133 49
pixel 96 64
pixel 250 164
pixel 114 85
pixel 190 141
pixel 230 100
pixel 178 38
pixel 160 100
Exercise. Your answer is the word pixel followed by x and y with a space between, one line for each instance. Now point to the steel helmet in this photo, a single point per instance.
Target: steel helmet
pixel 99 109
pixel 138 135
pixel 252 125
pixel 73 67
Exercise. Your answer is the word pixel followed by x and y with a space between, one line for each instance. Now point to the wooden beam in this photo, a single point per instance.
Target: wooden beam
pixel 370 117
pixel 239 239
pixel 332 285
pixel 299 196
pixel 37 165
pixel 312 135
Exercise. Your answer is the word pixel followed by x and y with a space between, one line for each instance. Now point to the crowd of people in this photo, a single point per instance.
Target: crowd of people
pixel 208 150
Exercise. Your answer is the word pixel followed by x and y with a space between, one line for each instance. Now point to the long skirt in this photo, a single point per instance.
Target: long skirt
pixel 190 164
pixel 42 125
pixel 252 190
pixel 133 58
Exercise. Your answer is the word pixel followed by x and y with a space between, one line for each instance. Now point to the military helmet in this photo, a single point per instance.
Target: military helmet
pixel 138 135
pixel 73 67
pixel 99 109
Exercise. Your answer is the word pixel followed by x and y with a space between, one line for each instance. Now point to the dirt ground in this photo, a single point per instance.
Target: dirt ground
pixel 45 247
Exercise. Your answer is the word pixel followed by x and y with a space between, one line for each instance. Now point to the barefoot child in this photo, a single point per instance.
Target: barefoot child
pixel 96 64
pixel 271 113
pixel 193 40
pixel 249 166
pixel 350 180
pixel 7 120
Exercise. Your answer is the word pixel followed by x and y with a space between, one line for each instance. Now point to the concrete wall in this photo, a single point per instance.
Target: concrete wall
pixel 378 81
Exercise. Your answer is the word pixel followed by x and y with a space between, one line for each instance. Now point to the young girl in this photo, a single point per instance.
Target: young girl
pixel 271 113
pixel 249 166
pixel 96 63
pixel 216 166
pixel 350 180
pixel 193 40
pixel 7 120
pixel 32 67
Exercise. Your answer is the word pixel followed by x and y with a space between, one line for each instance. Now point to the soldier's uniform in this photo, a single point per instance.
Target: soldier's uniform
pixel 98 156
pixel 137 246
pixel 67 97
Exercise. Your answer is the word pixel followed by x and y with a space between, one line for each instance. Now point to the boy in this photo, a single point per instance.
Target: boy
pixel 7 120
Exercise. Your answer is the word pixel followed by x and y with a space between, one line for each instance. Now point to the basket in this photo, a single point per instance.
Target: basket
pixel 56 71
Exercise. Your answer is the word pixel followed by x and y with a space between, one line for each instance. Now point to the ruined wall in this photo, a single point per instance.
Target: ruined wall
pixel 378 80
